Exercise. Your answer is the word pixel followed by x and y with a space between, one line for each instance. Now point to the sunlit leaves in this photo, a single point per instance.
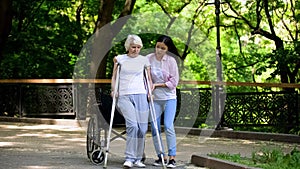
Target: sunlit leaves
pixel 49 34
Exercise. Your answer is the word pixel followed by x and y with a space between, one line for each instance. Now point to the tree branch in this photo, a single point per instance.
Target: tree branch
pixel 258 11
pixel 195 16
pixel 31 18
pixel 267 12
pixel 128 7
pixel 163 8
pixel 245 66
pixel 239 38
pixel 78 12
pixel 239 16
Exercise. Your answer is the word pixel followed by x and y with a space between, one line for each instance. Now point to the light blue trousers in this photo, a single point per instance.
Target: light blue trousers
pixel 169 109
pixel 135 110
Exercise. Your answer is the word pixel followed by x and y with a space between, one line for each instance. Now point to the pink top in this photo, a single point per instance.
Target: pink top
pixel 169 71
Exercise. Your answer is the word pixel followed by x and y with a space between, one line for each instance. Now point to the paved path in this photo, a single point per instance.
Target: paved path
pixel 62 146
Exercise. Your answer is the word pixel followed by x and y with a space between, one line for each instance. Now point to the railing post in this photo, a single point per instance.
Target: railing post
pixel 219 88
pixel 75 99
pixel 20 104
pixel 82 91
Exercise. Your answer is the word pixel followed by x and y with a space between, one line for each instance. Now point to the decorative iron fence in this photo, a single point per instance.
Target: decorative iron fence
pixel 46 100
pixel 36 100
pixel 273 109
pixel 194 105
pixel 277 109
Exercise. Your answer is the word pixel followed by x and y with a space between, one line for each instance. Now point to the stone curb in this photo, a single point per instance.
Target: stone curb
pixel 64 122
pixel 280 137
pixel 214 163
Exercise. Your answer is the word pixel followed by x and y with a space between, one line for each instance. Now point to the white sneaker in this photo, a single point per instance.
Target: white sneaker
pixel 128 164
pixel 139 164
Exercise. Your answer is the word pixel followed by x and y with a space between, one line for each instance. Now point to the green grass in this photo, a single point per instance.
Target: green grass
pixel 265 158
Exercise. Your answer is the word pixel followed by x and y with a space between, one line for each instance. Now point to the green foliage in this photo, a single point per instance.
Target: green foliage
pixel 289 56
pixel 48 35
pixel 266 158
pixel 45 40
pixel 194 69
pixel 295 130
pixel 266 129
pixel 277 159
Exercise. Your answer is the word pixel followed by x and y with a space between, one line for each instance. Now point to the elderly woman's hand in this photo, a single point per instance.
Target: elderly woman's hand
pixel 112 94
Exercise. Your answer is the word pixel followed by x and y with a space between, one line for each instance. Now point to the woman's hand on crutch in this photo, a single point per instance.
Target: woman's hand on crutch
pixel 149 80
pixel 113 79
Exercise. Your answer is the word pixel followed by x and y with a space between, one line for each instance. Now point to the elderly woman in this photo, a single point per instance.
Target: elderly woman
pixel 132 98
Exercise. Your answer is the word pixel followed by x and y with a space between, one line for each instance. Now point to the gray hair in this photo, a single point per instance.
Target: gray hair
pixel 133 39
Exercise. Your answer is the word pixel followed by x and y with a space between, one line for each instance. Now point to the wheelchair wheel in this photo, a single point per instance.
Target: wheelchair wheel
pixel 97 157
pixel 92 136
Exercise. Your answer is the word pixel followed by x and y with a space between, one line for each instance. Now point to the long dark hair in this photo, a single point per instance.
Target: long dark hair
pixel 172 50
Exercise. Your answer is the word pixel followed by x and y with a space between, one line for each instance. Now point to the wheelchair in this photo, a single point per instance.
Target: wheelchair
pixel 98 127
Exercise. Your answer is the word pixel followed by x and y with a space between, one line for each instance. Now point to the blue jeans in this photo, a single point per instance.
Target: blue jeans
pixel 135 110
pixel 169 109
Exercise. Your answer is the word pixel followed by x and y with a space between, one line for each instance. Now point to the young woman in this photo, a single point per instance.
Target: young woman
pixel 132 98
pixel 165 77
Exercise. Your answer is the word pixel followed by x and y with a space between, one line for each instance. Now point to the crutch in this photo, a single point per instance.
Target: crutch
pixel 116 87
pixel 153 117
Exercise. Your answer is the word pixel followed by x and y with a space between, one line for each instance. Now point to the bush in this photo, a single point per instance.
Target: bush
pixel 266 158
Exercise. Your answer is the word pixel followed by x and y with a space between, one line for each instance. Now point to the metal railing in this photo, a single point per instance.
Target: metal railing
pixel 79 98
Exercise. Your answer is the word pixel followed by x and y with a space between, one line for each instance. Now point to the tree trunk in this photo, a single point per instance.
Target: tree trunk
pixel 5 23
pixel 105 32
pixel 283 67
